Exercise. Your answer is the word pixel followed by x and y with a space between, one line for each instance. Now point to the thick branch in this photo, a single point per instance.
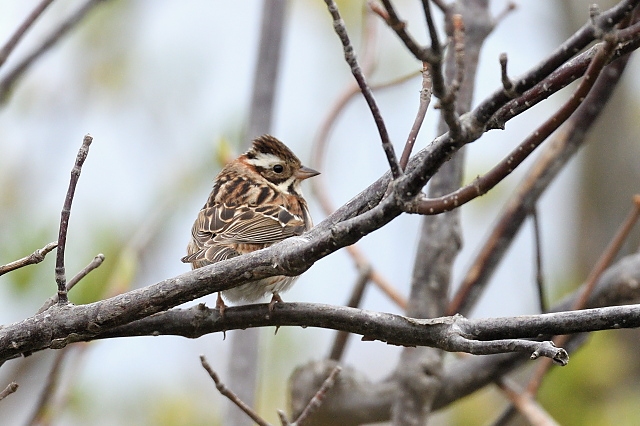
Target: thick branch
pixel 356 400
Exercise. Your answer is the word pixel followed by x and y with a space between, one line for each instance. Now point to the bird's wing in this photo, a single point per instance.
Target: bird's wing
pixel 262 225
pixel 219 228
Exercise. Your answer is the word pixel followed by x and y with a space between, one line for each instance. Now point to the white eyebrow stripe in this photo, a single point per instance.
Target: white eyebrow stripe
pixel 265 160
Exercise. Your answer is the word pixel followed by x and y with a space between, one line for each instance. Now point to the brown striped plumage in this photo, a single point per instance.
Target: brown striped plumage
pixel 256 201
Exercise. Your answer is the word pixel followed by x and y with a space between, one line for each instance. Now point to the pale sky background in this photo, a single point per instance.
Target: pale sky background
pixel 158 84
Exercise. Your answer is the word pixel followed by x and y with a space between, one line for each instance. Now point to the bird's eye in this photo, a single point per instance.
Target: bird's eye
pixel 278 168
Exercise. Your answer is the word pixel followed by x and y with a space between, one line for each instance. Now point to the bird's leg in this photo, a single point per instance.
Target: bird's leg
pixel 220 305
pixel 274 299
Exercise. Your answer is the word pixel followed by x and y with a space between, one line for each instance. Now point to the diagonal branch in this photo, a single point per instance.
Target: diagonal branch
pixel 350 57
pixel 8 390
pixel 225 391
pixel 9 80
pixel 481 185
pixel 557 153
pixel 579 40
pixel 22 30
pixel 34 258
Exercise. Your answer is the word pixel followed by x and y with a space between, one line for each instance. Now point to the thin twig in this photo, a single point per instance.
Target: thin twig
pixel 35 257
pixel 425 99
pixel 350 57
pixel 507 84
pixel 283 418
pixel 22 30
pixel 48 392
pixel 97 261
pixel 447 95
pixel 510 7
pixel 396 24
pixel 7 83
pixel 537 243
pixel 436 48
pixel 64 219
pixel 231 395
pixel 317 399
pixel 11 388
pixel 340 341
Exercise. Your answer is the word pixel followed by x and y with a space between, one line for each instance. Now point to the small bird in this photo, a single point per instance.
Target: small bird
pixel 256 201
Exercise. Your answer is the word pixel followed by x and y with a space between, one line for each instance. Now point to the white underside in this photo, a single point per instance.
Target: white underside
pixel 256 290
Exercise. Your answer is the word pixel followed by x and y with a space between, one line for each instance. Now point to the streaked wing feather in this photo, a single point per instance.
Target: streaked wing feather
pixel 260 226
pixel 221 226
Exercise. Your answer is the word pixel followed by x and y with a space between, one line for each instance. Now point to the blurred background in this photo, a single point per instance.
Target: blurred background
pixel 164 89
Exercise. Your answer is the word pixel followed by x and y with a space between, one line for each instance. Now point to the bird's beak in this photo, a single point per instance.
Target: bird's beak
pixel 305 173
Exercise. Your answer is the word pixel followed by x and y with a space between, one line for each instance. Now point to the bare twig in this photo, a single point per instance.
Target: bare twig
pixel 35 257
pixel 425 99
pixel 507 84
pixel 11 388
pixel 510 7
pixel 537 243
pixel 231 395
pixel 396 24
pixel 48 392
pixel 458 47
pixel 22 30
pixel 350 57
pixel 64 219
pixel 283 418
pixel 7 83
pixel 436 48
pixel 317 399
pixel 96 262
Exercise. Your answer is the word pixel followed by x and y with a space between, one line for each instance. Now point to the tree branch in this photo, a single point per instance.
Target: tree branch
pixel 61 278
pixel 9 80
pixel 22 30
pixel 34 258
pixel 8 390
pixel 557 153
pixel 356 400
pixel 350 58
pixel 481 185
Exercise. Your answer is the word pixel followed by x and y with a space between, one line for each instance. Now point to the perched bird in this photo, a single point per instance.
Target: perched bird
pixel 256 201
